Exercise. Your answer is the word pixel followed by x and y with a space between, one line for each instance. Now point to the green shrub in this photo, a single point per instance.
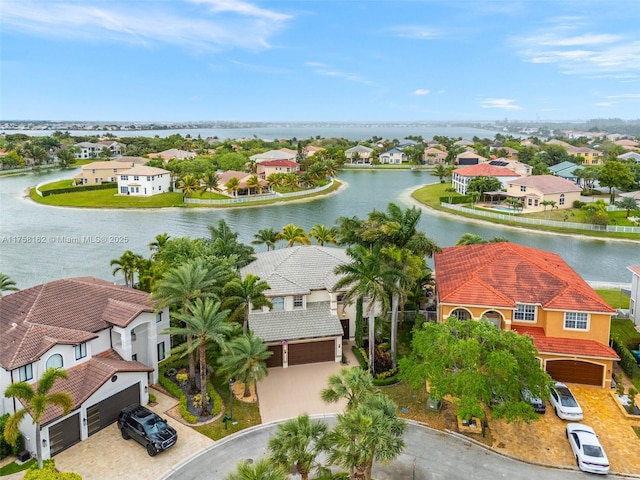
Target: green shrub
pixel 6 448
pixel 383 382
pixel 216 400
pixel 578 204
pixel 182 378
pixel 627 360
pixel 49 472
pixel 361 356
pixel 81 188
pixel 454 200
pixel 152 398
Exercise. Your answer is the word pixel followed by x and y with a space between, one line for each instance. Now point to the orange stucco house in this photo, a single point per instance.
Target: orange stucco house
pixel 534 293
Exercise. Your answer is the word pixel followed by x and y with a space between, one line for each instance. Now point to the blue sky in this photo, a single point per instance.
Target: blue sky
pixel 329 60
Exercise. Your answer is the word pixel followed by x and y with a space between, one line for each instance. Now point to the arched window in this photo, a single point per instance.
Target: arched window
pixel 461 314
pixel 54 361
pixel 278 303
pixel 562 199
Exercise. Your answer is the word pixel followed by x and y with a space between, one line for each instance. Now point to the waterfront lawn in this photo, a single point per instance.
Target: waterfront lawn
pixel 208 195
pixel 55 185
pixel 108 199
pixel 615 298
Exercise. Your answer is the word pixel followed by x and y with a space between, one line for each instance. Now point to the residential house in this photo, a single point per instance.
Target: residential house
pixel 566 170
pixel 628 144
pixel 469 158
pixel 88 150
pixel 309 319
pixel 433 155
pixel 106 337
pixel 513 165
pixel 634 295
pixel 630 156
pixel 116 148
pixel 591 156
pixel 282 154
pixel 535 293
pixel 463 143
pixel 540 188
pixel 394 156
pixel 462 176
pixel 144 181
pixel 95 173
pixel 172 153
pixel 358 154
pixel 311 150
pixel 268 167
pixel 243 177
pixel 560 143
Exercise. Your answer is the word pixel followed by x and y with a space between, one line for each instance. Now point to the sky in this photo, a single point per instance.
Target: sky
pixel 329 60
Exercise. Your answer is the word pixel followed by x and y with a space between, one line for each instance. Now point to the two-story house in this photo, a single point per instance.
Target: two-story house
pixel 433 155
pixel 282 154
pixel 634 295
pixel 395 156
pixel 591 156
pixel 143 181
pixel 266 168
pixel 534 293
pixel 359 155
pixel 462 176
pixel 95 173
pixel 105 336
pixel 309 319
pixel 539 188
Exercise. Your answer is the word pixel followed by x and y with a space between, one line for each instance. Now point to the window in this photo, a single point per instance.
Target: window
pixel 136 178
pixel 278 303
pixel 148 179
pixel 576 321
pixel 525 312
pixel 535 203
pixel 133 335
pixel 161 351
pixel 134 357
pixel 124 177
pixel 298 301
pixel 523 188
pixel 26 373
pixel 158 317
pixel 81 351
pixel 54 361
pixel 461 314
pixel 529 202
pixel 562 199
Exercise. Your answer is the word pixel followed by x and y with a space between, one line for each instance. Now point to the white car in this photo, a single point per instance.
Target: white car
pixel 587 449
pixel 564 403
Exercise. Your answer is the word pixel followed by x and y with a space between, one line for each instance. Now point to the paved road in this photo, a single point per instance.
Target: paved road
pixel 434 455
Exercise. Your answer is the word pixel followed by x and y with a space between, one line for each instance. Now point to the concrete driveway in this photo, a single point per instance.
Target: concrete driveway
pixel 289 392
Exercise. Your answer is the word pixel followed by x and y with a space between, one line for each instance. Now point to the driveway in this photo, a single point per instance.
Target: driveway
pixel 289 392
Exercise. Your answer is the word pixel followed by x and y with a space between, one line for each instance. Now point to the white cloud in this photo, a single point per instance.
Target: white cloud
pixel 420 92
pixel 625 95
pixel 415 32
pixel 605 104
pixel 441 91
pixel 208 25
pixel 500 103
pixel 327 71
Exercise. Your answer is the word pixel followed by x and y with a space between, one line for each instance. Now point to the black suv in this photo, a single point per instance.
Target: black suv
pixel 147 428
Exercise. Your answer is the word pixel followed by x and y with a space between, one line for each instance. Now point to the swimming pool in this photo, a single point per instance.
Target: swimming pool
pixel 503 209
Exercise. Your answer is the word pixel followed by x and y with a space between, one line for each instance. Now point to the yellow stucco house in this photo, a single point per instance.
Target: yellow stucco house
pixel 534 293
pixel 534 190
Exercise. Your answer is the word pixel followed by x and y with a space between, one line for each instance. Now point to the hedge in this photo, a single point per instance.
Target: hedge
pixel 81 188
pixel 627 360
pixel 49 472
pixel 455 199
pixel 361 356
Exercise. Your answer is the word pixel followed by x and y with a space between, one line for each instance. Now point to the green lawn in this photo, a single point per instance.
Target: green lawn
pixel 625 330
pixel 615 298
pixel 108 199
pixel 59 184
pixel 13 467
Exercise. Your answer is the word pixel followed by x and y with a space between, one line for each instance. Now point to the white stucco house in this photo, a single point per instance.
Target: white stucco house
pixel 143 181
pixel 394 156
pixel 309 320
pixel 634 297
pixel 105 336
pixel 462 176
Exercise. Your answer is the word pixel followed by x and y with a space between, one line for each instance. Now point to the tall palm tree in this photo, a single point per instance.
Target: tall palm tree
pixel 204 323
pixel 210 182
pixel 189 184
pixel 233 185
pixel 293 234
pixel 291 180
pixel 263 469
pixel 6 284
pixel 266 236
pixel 274 180
pixel 181 285
pixel 242 294
pixel 224 244
pixel 629 203
pixel 297 443
pixel 253 183
pixel 322 234
pixel 367 276
pixel 245 360
pixel 159 242
pixel 35 404
pixel 128 265
pixel 351 384
pixel 66 157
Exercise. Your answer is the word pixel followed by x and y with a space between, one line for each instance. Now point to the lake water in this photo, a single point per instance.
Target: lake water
pixel 40 243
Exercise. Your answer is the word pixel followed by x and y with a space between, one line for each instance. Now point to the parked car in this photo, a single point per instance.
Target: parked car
pixel 564 403
pixel 586 447
pixel 538 404
pixel 147 428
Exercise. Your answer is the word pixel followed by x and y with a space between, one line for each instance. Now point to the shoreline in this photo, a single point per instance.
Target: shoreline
pixel 407 196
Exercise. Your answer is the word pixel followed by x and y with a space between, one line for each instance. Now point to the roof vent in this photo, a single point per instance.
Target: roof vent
pixel 14 325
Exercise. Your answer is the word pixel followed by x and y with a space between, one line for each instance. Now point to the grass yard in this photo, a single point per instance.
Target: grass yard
pixel 108 199
pixel 625 330
pixel 59 184
pixel 615 298
pixel 13 467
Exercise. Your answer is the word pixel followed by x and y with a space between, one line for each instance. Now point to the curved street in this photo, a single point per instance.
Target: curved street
pixel 429 455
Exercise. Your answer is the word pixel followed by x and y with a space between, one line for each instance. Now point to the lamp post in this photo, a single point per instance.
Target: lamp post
pixel 231 381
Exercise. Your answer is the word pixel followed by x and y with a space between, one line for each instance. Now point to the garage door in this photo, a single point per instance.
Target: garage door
pixel 64 434
pixel 574 371
pixel 300 353
pixel 106 412
pixel 275 360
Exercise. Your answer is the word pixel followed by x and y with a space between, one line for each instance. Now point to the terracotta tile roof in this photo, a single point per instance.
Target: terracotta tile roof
pixel 279 163
pixel 635 269
pixel 85 379
pixel 68 311
pixel 501 274
pixel 547 183
pixel 566 346
pixel 485 170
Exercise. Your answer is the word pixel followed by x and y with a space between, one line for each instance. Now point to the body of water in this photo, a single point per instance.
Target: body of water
pixel 41 243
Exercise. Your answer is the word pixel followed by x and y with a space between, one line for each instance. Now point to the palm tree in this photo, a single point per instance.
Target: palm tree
pixel 629 203
pixel 470 239
pixel 253 182
pixel 66 157
pixel 440 171
pixel 245 360
pixel 203 323
pixel 224 244
pixel 351 384
pixel 548 203
pixel 296 443
pixel 159 242
pixel 182 285
pixel 266 236
pixel 128 265
pixel 274 180
pixel 366 276
pixel 263 469
pixel 189 184
pixel 293 234
pixel 291 180
pixel 35 404
pixel 6 284
pixel 233 185
pixel 322 234
pixel 210 182
pixel 242 294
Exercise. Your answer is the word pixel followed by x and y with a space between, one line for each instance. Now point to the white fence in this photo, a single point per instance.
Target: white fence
pixel 539 221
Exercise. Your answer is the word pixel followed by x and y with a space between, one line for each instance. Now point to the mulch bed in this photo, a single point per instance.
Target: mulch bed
pixel 185 387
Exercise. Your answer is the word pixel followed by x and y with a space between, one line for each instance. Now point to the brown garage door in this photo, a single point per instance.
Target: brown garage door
pixel 324 351
pixel 275 360
pixel 574 371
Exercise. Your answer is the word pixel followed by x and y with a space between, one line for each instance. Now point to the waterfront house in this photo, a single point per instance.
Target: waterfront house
pixel 433 155
pixel 92 150
pixel 106 337
pixel 462 176
pixel 282 154
pixel 172 153
pixel 634 295
pixel 143 181
pixel 95 173
pixel 268 167
pixel 243 178
pixel 534 293
pixel 534 190
pixel 513 165
pixel 358 155
pixel 469 158
pixel 309 319
pixel 395 156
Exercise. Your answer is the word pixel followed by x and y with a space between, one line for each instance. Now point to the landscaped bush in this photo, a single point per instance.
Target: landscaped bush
pixel 81 188
pixel 177 392
pixel 7 449
pixel 361 356
pixel 627 360
pixel 578 204
pixel 456 199
pixel 49 472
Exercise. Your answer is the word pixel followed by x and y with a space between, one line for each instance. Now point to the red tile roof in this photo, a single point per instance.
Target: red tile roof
pixel 279 163
pixel 485 170
pixel 635 269
pixel 566 346
pixel 503 273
